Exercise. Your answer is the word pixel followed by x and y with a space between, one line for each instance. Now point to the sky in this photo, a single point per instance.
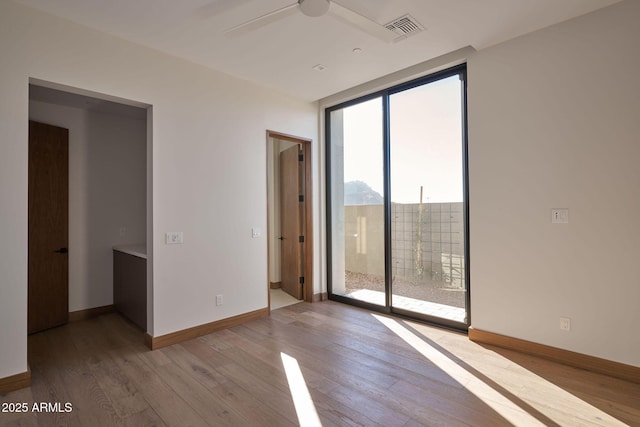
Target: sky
pixel 426 143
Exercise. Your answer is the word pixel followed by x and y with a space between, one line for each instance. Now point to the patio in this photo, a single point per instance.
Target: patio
pixel 429 297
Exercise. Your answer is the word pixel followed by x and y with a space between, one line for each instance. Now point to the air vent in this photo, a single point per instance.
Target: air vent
pixel 404 27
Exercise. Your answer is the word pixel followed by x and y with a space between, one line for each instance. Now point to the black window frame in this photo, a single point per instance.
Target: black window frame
pixel 385 94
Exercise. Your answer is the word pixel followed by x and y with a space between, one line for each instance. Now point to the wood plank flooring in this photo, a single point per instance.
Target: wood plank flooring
pixel 359 369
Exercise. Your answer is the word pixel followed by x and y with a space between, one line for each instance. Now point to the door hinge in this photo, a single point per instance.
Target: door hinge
pixel 301 198
pixel 300 157
pixel 301 239
pixel 302 280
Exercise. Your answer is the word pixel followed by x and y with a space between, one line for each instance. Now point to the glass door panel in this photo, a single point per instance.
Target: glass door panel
pixel 356 204
pixel 427 200
pixel 397 200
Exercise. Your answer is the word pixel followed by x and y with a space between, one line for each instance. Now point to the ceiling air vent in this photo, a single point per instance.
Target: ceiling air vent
pixel 404 27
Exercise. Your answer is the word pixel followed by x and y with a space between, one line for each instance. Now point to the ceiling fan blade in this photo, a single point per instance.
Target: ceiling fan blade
pixel 362 22
pixel 261 21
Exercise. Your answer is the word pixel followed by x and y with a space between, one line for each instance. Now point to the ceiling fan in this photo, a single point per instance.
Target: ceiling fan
pixel 315 8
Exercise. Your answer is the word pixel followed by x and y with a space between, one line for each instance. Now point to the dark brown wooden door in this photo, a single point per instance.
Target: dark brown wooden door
pixel 48 226
pixel 291 224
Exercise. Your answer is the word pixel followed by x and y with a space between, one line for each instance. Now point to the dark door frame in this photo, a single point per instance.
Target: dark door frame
pixel 308 212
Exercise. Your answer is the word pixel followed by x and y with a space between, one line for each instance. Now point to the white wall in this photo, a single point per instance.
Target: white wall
pixel 207 160
pixel 553 123
pixel 107 192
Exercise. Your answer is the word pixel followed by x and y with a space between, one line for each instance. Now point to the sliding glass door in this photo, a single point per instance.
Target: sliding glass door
pixel 357 204
pixel 427 199
pixel 397 203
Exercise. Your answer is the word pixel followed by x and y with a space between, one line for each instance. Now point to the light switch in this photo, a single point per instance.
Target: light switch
pixel 256 232
pixel 560 216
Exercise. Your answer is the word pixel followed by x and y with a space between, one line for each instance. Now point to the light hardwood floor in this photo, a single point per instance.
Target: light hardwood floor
pixel 358 368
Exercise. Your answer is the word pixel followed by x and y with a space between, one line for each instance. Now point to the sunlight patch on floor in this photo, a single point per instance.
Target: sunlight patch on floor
pixel 501 404
pixel 564 401
pixel 305 409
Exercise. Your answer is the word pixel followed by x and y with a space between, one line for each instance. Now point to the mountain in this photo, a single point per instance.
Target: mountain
pixel 359 193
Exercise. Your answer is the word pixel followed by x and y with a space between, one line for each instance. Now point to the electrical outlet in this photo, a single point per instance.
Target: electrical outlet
pixel 565 324
pixel 218 299
pixel 173 237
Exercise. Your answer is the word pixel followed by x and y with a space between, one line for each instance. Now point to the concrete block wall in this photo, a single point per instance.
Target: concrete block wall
pixel 438 255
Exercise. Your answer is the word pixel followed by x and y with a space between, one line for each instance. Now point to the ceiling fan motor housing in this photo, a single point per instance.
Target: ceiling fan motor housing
pixel 314 8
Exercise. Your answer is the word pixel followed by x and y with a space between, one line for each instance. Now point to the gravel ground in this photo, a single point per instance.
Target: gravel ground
pixel 426 290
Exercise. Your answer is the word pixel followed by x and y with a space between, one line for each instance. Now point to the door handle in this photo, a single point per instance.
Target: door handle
pixel 62 251
pixel 280 238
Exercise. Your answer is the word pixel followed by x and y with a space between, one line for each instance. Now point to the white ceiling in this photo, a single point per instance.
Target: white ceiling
pixel 282 54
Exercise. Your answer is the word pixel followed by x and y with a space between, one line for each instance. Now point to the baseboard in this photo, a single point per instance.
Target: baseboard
pixel 15 382
pixel 323 296
pixel 75 316
pixel 148 340
pixel 155 343
pixel 275 285
pixel 566 357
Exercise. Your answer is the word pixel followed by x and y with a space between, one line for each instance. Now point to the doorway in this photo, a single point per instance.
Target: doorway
pixel 109 142
pixel 289 214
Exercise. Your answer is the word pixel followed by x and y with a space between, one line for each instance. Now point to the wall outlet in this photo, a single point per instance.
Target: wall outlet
pixel 173 237
pixel 219 300
pixel 565 324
